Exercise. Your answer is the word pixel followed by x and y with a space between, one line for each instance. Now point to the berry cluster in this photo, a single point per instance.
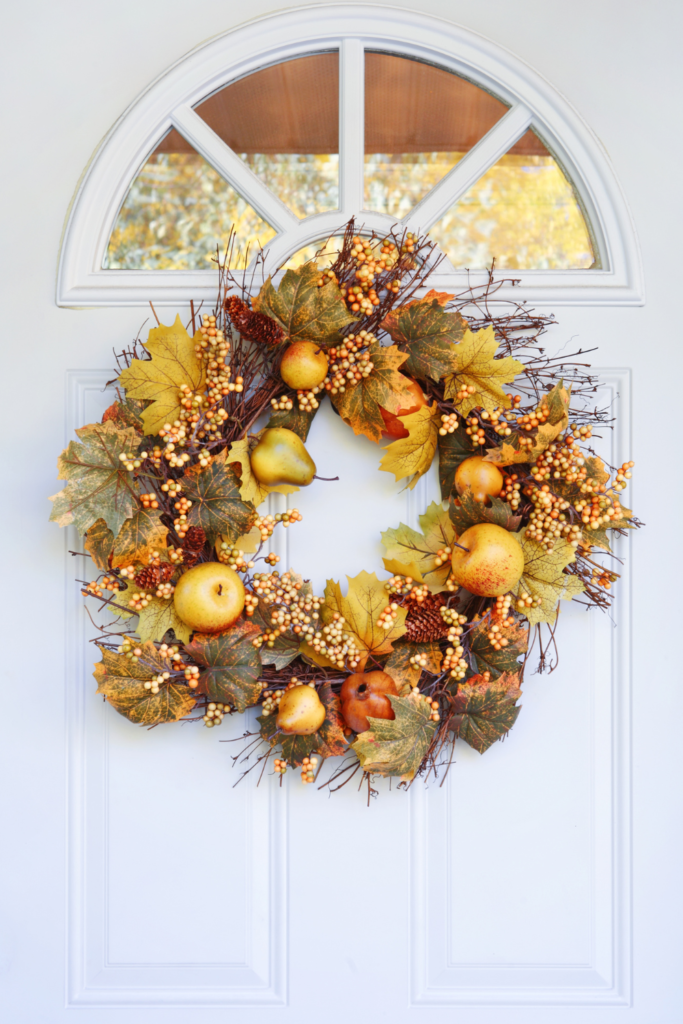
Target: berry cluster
pixel 449 423
pixel 454 622
pixel 336 645
pixel 214 714
pixel 272 702
pixel 232 556
pixel 454 663
pixel 388 616
pixel 308 769
pixel 130 650
pixel 349 363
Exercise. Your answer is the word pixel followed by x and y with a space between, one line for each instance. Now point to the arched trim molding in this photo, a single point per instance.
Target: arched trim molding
pixel 169 101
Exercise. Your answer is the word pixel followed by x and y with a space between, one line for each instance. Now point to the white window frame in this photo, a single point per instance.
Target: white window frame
pixel 169 101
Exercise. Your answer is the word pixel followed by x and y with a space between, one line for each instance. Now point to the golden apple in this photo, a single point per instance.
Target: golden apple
pixel 301 711
pixel 483 478
pixel 280 457
pixel 392 424
pixel 209 597
pixel 493 562
pixel 304 365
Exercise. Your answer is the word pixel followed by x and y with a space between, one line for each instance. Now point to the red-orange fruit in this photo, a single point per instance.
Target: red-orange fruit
pixel 392 424
pixel 364 695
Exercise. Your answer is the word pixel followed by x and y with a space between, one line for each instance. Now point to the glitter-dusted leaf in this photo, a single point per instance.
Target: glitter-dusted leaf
pixel 158 380
pixel 293 419
pixel 526 446
pixel 453 449
pixel 285 647
pixel 217 505
pixel 397 747
pixel 428 334
pixel 406 675
pixel 231 665
pixel 478 367
pixel 99 487
pixel 99 543
pixel 410 548
pixel 466 511
pixel 486 658
pixel 485 711
pixel 304 311
pixel 251 489
pixel 544 578
pixel 158 617
pixel 385 388
pixel 364 603
pixel 412 456
pixel 328 741
pixel 122 683
pixel 126 413
pixel 139 536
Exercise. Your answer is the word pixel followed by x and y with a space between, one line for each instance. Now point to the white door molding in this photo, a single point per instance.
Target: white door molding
pixel 350 28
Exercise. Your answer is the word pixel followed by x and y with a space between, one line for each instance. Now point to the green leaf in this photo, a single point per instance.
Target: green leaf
pixel 216 502
pixel 407 546
pixel 98 485
pixel 544 577
pixel 466 511
pixel 487 659
pixel 232 665
pixel 139 536
pixel 293 419
pixel 453 450
pixel 99 543
pixel 397 747
pixel 122 680
pixel 485 711
pixel 406 675
pixel 428 332
pixel 328 741
pixel 304 311
pixel 385 388
pixel 286 646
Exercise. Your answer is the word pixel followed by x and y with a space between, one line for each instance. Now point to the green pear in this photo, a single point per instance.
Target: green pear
pixel 281 458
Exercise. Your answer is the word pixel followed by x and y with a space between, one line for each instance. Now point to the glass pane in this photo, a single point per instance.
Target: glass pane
pixel 419 122
pixel 283 122
pixel 177 211
pixel 523 212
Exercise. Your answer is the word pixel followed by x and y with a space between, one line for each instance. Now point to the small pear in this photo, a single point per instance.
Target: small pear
pixel 281 458
pixel 304 365
pixel 301 711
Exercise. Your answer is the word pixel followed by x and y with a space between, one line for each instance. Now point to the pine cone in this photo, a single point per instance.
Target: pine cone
pixel 253 326
pixel 190 559
pixel 148 579
pixel 194 539
pixel 166 570
pixel 424 622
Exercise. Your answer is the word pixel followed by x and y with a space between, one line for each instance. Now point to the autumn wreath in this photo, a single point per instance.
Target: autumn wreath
pixel 168 492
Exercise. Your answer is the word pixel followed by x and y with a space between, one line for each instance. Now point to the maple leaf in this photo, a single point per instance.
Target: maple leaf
pixel 478 367
pixel 365 601
pixel 99 487
pixel 126 413
pixel 328 741
pixel 428 332
pixel 406 675
pixel 466 511
pixel 157 618
pixel 485 710
pixel 453 450
pixel 99 543
pixel 599 538
pixel 512 451
pixel 217 505
pixel 122 680
pixel 384 388
pixel 543 577
pixel 398 746
pixel 139 536
pixel 304 311
pixel 251 489
pixel 293 419
pixel 285 647
pixel 412 456
pixel 231 665
pixel 409 548
pixel 158 380
pixel 486 658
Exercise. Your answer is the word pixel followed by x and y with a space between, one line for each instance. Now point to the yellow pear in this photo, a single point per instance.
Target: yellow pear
pixel 281 458
pixel 304 365
pixel 301 711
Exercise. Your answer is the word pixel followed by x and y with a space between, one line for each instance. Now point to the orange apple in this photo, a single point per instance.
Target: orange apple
pixel 492 563
pixel 365 694
pixel 209 597
pixel 301 712
pixel 392 424
pixel 304 365
pixel 483 478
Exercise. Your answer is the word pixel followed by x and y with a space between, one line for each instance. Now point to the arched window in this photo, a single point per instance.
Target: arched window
pixel 287 127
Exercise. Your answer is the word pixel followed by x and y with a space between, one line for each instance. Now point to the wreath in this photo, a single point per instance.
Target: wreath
pixel 168 493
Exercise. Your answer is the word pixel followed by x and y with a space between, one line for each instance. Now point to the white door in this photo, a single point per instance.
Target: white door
pixel 542 881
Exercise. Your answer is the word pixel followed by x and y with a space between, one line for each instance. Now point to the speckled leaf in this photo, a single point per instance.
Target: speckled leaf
pixel 293 419
pixel 232 665
pixel 217 505
pixel 122 683
pixel 139 536
pixel 478 367
pixel 285 648
pixel 543 577
pixel 328 741
pixel 99 543
pixel 428 334
pixel 304 311
pixel 98 485
pixel 487 658
pixel 407 546
pixel 364 603
pixel 466 511
pixel 158 380
pixel 406 675
pixel 127 413
pixel 412 456
pixel 397 747
pixel 385 388
pixel 453 449
pixel 485 711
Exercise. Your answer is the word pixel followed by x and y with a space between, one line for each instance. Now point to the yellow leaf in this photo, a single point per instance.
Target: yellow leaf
pixel 478 368
pixel 364 603
pixel 158 380
pixel 320 660
pixel 138 537
pixel 408 550
pixel 527 447
pixel 412 456
pixel 398 568
pixel 252 489
pixel 544 579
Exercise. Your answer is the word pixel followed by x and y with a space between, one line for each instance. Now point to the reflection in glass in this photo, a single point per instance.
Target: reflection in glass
pixel 283 121
pixel 419 122
pixel 523 212
pixel 177 211
pixel 324 252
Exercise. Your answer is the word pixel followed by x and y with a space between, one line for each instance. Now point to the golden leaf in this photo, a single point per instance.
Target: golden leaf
pixel 122 682
pixel 478 367
pixel 404 674
pixel 410 549
pixel 412 456
pixel 158 380
pixel 364 603
pixel 513 451
pixel 543 577
pixel 139 536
